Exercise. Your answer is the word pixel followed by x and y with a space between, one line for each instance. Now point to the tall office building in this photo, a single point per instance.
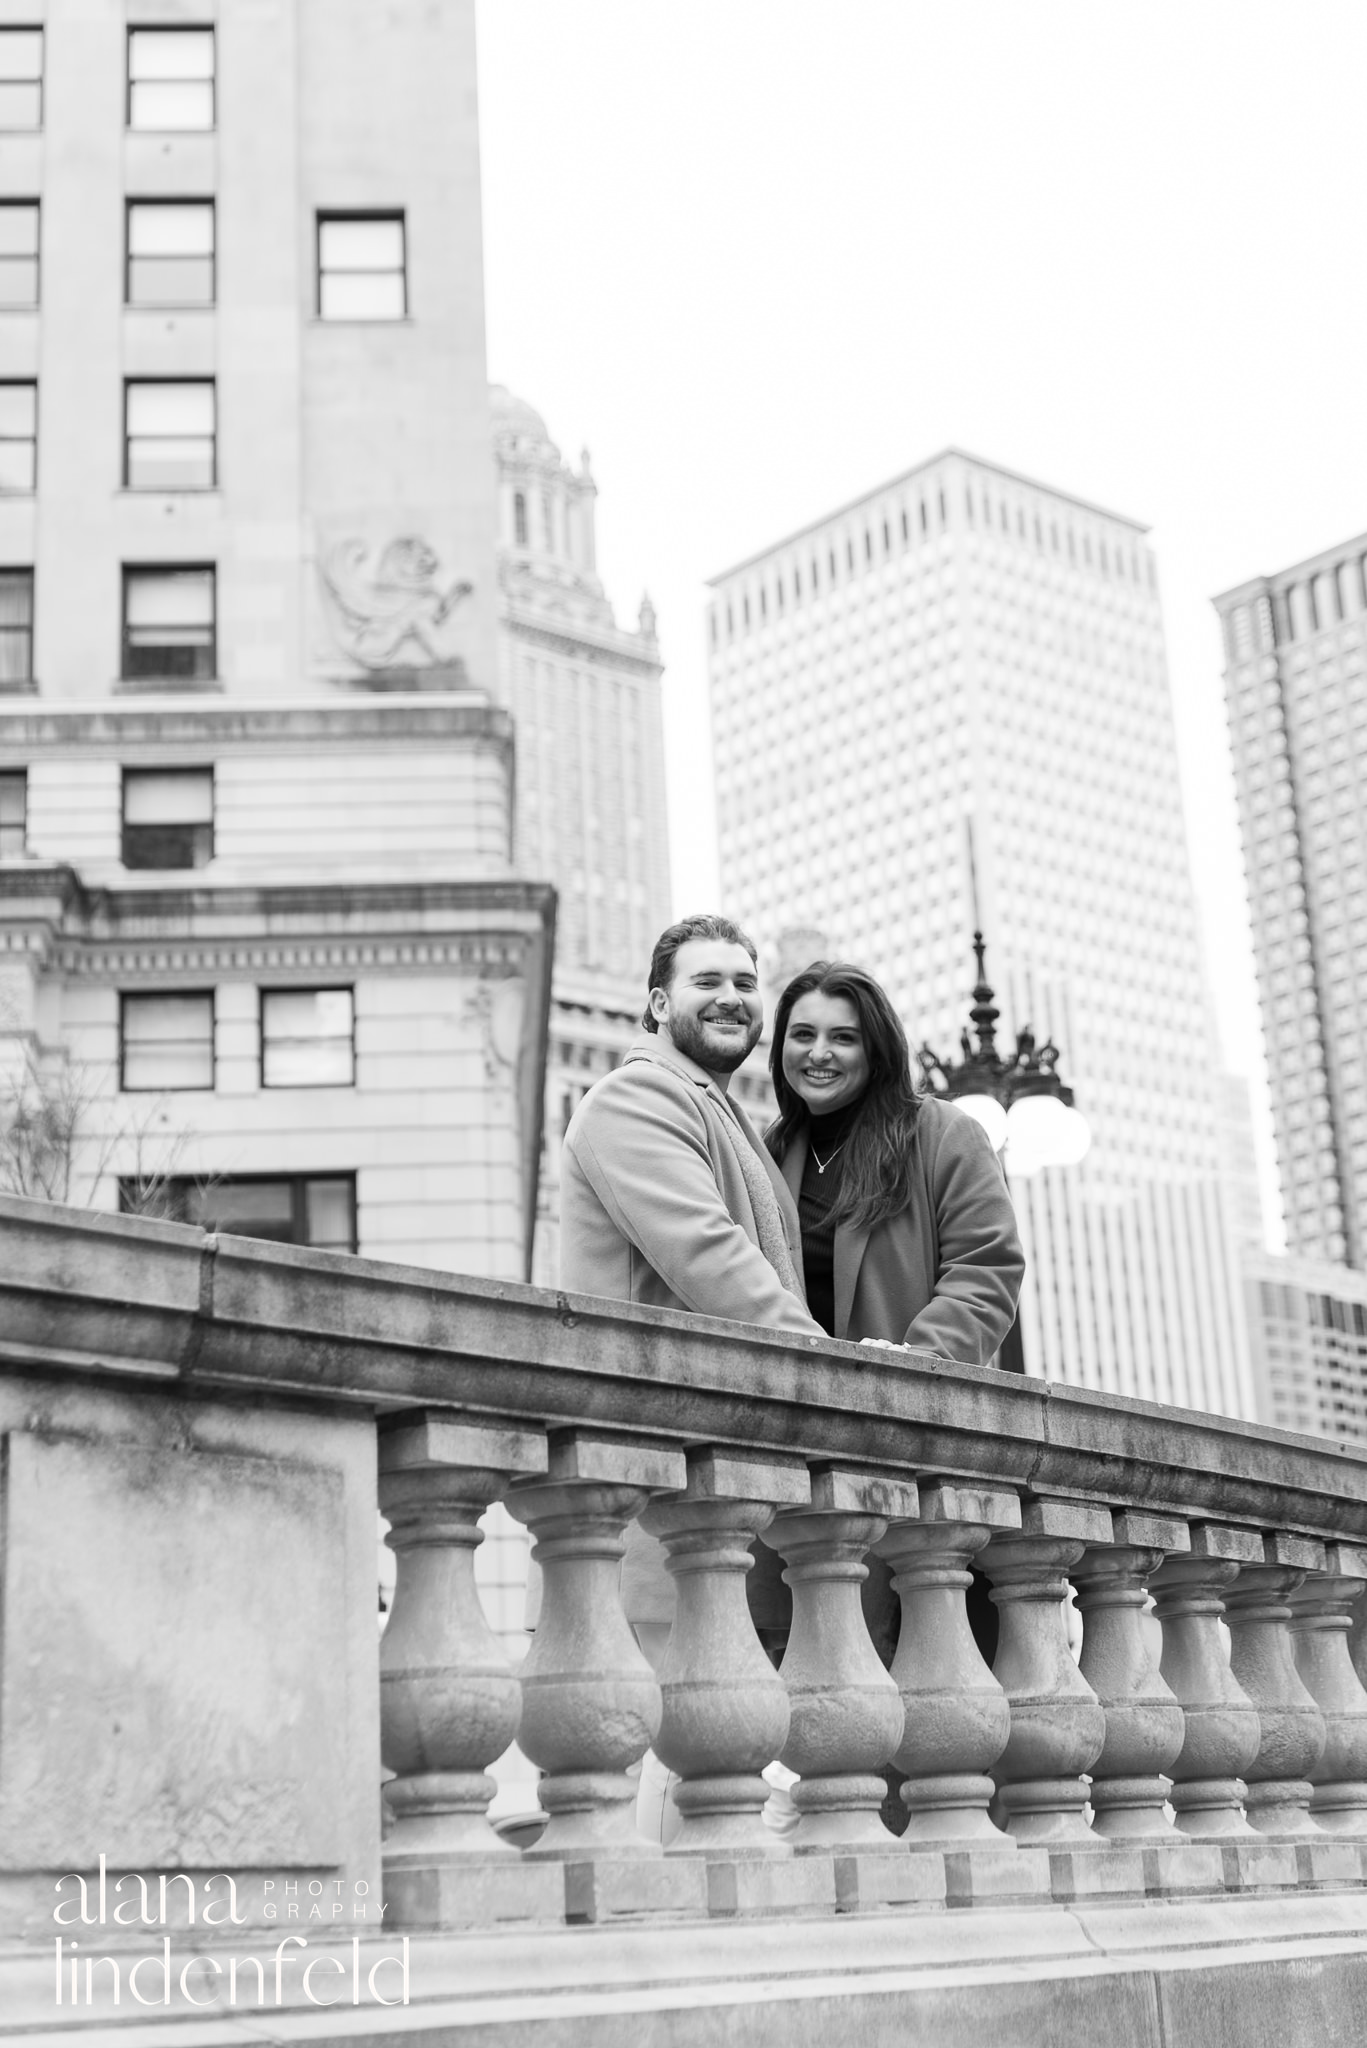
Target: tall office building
pixel 585 696
pixel 1296 693
pixel 264 945
pixel 948 702
pixel 1307 1322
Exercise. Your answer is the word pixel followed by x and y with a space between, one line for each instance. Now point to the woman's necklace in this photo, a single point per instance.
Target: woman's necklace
pixel 822 1164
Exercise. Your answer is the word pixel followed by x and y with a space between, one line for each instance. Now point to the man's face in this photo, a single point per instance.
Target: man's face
pixel 711 1011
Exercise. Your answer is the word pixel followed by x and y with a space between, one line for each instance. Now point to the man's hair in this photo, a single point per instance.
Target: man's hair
pixel 706 925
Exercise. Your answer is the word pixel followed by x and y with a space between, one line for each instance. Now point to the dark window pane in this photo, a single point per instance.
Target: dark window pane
pixel 13 810
pixel 286 1209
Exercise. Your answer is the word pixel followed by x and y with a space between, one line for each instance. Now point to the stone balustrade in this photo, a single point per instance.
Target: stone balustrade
pixel 1210 1740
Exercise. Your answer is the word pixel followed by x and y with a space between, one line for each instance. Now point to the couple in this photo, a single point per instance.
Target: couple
pixel 868 1212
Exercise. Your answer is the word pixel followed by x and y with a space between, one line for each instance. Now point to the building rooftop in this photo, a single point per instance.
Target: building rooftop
pixel 906 476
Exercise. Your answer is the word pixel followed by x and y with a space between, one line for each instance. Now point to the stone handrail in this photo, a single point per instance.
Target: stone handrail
pixel 1176 1758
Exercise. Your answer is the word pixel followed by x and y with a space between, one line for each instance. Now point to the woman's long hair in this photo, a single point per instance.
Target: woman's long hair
pixel 877 1180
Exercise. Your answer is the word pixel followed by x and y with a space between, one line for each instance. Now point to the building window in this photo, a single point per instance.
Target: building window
pixel 16 629
pixel 519 519
pixel 18 253
pixel 168 817
pixel 169 436
pixel 13 811
pixel 170 78
pixel 166 1042
pixel 170 252
pixel 168 625
pixel 21 78
pixel 18 437
pixel 362 269
pixel 308 1038
pixel 306 1209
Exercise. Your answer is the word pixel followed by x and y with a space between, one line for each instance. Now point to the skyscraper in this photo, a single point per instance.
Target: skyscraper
pixel 585 697
pixel 948 702
pixel 264 937
pixel 1296 695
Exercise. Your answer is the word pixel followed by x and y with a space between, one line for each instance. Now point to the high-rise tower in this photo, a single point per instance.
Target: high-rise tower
pixel 960 649
pixel 1296 694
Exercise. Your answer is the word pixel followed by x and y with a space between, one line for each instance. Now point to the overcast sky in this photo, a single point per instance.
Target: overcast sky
pixel 762 255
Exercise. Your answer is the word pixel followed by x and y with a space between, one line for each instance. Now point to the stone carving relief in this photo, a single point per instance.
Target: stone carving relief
pixel 390 605
pixel 497 1009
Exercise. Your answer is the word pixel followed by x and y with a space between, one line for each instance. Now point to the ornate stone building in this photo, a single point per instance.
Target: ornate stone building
pixel 266 962
pixel 585 697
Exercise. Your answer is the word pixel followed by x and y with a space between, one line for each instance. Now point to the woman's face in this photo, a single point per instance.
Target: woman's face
pixel 824 1060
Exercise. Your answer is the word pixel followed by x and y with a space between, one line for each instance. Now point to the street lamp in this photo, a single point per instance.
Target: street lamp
pixel 1020 1101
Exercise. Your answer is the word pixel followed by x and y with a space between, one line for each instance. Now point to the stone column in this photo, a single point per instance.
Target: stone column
pixel 1222 1735
pixel 1292 1731
pixel 1144 1723
pixel 1323 1609
pixel 725 1708
pixel 449 1700
pixel 590 1701
pixel 957 1717
pixel 846 1713
pixel 1057 1723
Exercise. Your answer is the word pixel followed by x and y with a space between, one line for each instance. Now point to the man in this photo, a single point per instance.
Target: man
pixel 667 1194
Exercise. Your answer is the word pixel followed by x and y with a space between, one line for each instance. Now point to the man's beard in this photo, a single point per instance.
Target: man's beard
pixel 690 1037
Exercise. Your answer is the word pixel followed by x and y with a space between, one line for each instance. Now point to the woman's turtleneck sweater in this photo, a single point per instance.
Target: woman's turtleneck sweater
pixel 827 1140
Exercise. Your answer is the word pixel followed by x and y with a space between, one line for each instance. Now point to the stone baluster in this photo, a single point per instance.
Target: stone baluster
pixel 957 1718
pixel 1221 1735
pixel 1323 1608
pixel 1057 1723
pixel 449 1701
pixel 1357 1640
pixel 1291 1726
pixel 590 1701
pixel 1144 1723
pixel 846 1715
pixel 725 1708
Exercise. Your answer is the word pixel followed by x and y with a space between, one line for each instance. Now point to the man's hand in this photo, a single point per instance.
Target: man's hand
pixel 885 1343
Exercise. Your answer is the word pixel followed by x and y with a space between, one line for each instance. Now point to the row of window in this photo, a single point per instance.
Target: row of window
pixel 169 630
pixel 168 816
pixel 170 258
pixel 297 1208
pixel 170 77
pixel 170 435
pixel 307 1039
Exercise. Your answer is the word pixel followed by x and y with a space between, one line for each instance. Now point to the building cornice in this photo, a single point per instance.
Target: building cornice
pixel 473 928
pixel 584 643
pixel 219 724
pixel 1281 579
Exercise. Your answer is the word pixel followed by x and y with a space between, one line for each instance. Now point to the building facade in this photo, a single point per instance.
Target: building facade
pixel 585 695
pixel 1307 1322
pixel 947 704
pixel 1296 697
pixel 267 961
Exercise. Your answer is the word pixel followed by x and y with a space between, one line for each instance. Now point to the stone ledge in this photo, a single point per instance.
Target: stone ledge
pixel 1218 1973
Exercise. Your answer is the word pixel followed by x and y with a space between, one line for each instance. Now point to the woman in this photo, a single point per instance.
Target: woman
pixel 907 1229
